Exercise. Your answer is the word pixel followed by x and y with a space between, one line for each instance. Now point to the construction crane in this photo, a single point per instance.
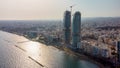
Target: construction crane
pixel 71 8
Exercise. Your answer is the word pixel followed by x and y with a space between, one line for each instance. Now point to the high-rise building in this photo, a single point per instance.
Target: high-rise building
pixel 118 50
pixel 67 27
pixel 76 30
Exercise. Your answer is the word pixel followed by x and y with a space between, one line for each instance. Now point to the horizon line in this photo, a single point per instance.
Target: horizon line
pixel 59 19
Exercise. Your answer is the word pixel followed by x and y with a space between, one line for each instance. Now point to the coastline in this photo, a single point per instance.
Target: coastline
pixel 76 54
pixel 68 51
pixel 80 56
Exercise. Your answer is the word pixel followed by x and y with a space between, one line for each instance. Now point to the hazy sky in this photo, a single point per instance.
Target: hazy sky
pixel 54 9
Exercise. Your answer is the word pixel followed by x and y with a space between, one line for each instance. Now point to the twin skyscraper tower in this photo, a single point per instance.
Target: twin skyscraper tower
pixel 72 29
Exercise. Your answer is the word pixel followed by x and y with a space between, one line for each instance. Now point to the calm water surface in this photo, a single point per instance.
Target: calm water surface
pixel 18 52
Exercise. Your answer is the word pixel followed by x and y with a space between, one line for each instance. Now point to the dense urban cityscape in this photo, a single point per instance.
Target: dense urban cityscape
pixel 99 36
pixel 59 34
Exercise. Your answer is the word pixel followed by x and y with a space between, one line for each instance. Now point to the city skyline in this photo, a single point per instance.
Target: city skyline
pixel 54 9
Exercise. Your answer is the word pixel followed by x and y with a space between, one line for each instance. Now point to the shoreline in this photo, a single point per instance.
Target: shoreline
pixel 69 51
pixel 76 54
pixel 79 56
